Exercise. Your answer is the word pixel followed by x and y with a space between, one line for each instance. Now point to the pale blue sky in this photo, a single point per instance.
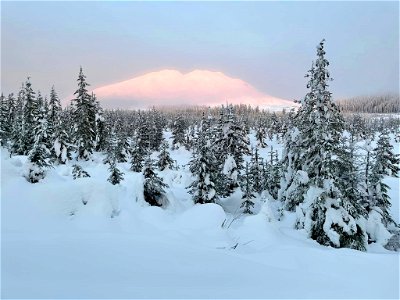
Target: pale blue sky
pixel 268 44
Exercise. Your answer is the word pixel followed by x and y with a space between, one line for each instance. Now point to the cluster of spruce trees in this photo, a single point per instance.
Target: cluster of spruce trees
pixel 336 188
pixel 336 194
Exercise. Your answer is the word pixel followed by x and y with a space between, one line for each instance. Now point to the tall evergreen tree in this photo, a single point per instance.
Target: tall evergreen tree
pixel 386 163
pixel 143 134
pixel 178 132
pixel 260 134
pixel 203 167
pixel 232 143
pixel 255 169
pixel 30 112
pixel 38 156
pixel 54 115
pixel 101 132
pixel 349 178
pixel 248 191
pixel 5 129
pixel 273 173
pixel 155 130
pixel 84 119
pixel 327 216
pixel 17 134
pixel 234 140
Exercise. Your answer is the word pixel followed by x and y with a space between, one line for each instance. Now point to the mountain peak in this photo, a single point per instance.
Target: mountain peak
pixel 172 87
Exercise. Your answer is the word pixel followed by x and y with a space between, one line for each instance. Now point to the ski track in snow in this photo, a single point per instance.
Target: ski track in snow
pixel 54 246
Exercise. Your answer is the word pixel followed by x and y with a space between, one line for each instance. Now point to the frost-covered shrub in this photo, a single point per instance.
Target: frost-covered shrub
pixel 294 194
pixel 394 242
pixel 78 172
pixel 375 228
pixel 33 172
pixel 153 189
pixel 327 222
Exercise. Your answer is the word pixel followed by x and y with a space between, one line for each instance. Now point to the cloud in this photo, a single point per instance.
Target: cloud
pixel 171 87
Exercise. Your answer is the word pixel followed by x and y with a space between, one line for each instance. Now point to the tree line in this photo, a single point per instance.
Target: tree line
pixel 383 104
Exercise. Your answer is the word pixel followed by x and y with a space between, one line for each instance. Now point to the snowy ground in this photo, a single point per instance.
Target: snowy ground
pixel 115 246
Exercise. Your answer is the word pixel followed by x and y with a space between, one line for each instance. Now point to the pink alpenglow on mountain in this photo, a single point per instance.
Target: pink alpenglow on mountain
pixel 173 88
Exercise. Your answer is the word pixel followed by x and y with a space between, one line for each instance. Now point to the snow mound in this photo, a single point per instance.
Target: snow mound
pixel 202 217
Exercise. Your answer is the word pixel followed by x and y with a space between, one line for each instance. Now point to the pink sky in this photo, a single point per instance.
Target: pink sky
pixel 171 87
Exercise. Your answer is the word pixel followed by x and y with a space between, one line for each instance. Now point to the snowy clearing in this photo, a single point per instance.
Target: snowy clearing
pixel 116 246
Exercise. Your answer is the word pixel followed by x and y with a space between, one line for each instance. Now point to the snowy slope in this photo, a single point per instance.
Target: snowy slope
pixel 115 246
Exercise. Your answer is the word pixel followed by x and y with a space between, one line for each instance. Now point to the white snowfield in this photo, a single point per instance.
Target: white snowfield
pixel 85 238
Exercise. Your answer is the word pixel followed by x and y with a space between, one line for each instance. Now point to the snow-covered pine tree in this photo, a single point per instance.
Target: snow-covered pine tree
pixel 235 138
pixel 61 150
pixel 190 136
pixel 54 115
pixel 153 189
pixel 43 110
pixel 231 144
pixel 94 106
pixel 5 129
pixel 248 191
pixel 178 132
pixel 112 150
pixel 203 167
pixel 137 157
pixel 256 172
pixel 123 149
pixel 17 125
pixel 12 111
pixel 84 119
pixel 349 178
pixel 260 134
pixel 67 124
pixel 356 127
pixel 101 132
pixel 54 108
pixel 164 159
pixel 365 174
pixel 155 130
pixel 386 163
pixel 30 112
pixel 231 174
pixel 37 162
pixel 116 176
pixel 275 126
pixel 327 216
pixel 78 172
pixel 217 134
pixel 143 135
pixel 273 173
pixel 293 181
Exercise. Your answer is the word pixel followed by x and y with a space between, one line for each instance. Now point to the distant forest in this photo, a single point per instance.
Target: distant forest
pixel 389 103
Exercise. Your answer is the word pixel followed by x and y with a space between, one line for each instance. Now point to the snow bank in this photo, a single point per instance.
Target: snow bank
pixel 84 238
pixel 202 217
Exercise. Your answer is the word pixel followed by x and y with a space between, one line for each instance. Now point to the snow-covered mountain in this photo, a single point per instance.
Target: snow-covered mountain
pixel 171 87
